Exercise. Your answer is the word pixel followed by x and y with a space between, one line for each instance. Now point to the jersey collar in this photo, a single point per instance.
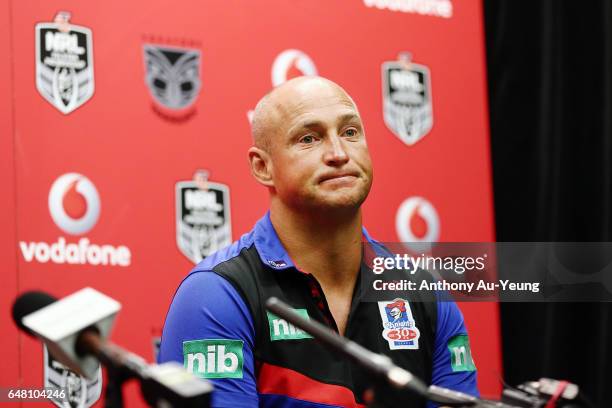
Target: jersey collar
pixel 271 250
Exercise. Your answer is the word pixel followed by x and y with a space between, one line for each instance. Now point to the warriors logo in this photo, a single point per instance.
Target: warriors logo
pixel 399 328
pixel 173 78
pixel 64 63
pixel 202 217
pixel 80 392
pixel 407 99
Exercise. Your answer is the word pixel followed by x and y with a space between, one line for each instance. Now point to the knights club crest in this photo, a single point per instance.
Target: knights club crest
pixel 80 391
pixel 399 327
pixel 172 75
pixel 407 103
pixel 64 63
pixel 202 217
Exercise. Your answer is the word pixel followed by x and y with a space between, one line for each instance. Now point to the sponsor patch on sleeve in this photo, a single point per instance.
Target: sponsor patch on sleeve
pixel 214 358
pixel 460 353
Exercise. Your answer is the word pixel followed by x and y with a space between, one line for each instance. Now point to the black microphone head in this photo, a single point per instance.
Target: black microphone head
pixel 27 303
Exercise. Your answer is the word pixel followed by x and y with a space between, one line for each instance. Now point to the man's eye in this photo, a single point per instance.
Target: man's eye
pixel 307 139
pixel 350 132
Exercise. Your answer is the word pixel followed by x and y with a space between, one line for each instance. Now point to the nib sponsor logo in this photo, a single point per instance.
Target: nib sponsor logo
pixel 417 224
pixel 74 205
pixel 221 358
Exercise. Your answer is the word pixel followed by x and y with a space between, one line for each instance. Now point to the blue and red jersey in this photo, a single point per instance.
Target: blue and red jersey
pixel 218 327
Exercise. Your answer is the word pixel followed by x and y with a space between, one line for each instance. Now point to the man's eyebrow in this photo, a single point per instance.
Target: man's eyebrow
pixel 313 124
pixel 307 124
pixel 348 117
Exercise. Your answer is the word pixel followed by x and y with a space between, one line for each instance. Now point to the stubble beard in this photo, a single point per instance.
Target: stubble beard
pixel 341 200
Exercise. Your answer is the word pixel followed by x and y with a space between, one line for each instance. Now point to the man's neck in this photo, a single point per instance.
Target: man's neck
pixel 327 246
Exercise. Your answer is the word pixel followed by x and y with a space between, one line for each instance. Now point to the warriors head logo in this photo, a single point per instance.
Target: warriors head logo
pixel 172 75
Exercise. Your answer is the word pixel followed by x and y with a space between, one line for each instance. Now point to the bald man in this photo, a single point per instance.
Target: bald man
pixel 310 152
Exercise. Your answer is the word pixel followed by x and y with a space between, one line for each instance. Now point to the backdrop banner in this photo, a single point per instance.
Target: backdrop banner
pixel 130 124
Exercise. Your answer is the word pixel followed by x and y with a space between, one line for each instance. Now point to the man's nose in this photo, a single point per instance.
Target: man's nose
pixel 335 153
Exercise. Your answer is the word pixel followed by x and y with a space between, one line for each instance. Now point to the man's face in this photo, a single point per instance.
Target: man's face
pixel 319 154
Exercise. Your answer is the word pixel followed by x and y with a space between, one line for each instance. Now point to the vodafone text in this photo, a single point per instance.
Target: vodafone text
pixel 83 252
pixel 434 8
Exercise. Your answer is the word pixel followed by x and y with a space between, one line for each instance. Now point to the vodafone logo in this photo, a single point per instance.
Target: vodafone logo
pixel 74 203
pixel 291 64
pixel 417 223
pixel 287 65
pixel 434 8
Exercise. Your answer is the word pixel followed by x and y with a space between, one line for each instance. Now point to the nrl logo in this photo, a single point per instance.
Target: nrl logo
pixel 173 79
pixel 80 392
pixel 407 103
pixel 202 217
pixel 64 63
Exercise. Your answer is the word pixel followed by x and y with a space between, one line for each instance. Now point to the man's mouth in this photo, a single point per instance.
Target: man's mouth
pixel 343 177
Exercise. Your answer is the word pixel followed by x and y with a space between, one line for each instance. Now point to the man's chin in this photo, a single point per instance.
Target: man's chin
pixel 341 200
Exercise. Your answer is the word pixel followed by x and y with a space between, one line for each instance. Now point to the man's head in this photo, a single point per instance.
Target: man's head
pixel 309 146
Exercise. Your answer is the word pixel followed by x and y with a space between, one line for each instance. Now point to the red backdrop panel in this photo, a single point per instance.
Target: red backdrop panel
pixel 133 155
pixel 9 343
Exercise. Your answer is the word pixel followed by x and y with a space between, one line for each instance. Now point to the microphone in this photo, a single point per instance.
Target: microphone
pixel 69 327
pixel 381 365
pixel 75 329
pixel 377 363
pixel 27 303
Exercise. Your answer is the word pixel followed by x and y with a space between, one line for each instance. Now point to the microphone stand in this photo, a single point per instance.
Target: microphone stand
pixel 379 365
pixel 113 396
pixel 161 385
pixel 121 365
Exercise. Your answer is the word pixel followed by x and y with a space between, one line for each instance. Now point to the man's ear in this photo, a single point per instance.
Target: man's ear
pixel 261 166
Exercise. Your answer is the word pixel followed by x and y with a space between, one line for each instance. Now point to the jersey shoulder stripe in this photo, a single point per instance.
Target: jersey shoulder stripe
pixel 225 254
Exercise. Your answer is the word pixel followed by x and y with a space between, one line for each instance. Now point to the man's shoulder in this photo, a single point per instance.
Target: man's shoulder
pixel 239 265
pixel 224 255
pixel 378 247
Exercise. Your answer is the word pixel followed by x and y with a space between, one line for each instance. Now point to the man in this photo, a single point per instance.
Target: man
pixel 310 152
